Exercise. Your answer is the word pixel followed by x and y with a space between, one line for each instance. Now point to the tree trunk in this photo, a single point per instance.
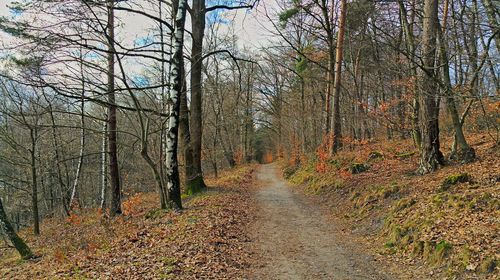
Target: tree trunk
pixel 186 144
pixel 18 243
pixel 34 182
pixel 172 166
pixel 196 183
pixel 410 45
pixel 82 149
pixel 248 125
pixel 492 12
pixel 430 155
pixel 104 166
pixel 336 121
pixel 57 158
pixel 115 207
pixel 461 150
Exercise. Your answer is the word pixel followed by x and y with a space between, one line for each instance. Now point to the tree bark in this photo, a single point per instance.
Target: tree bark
pixel 172 166
pixel 104 166
pixel 336 121
pixel 18 243
pixel 410 45
pixel 34 181
pixel 461 150
pixel 492 12
pixel 185 139
pixel 196 182
pixel 115 207
pixel 331 64
pixel 430 155
pixel 82 146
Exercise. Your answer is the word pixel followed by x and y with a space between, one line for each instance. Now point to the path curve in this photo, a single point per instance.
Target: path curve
pixel 295 241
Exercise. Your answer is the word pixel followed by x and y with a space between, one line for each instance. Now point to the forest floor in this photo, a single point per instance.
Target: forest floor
pixel 208 239
pixel 443 225
pixel 311 223
pixel 295 240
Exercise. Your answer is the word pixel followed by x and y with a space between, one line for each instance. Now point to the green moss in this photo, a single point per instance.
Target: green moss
pixel 464 256
pixel 441 252
pixel 389 244
pixel 404 203
pixel 488 265
pixel 155 213
pixel 335 163
pixel 289 171
pixel 439 199
pixel 428 249
pixel 355 195
pixel 472 203
pixel 396 234
pixel 405 155
pixel 302 176
pixel 168 260
pixel 195 185
pixel 406 240
pixel 357 168
pixel 167 271
pixel 494 204
pixel 193 219
pixel 418 248
pixel 375 155
pixel 453 180
pixel 389 191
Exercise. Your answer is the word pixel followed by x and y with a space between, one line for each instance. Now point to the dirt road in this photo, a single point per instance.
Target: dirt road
pixel 295 241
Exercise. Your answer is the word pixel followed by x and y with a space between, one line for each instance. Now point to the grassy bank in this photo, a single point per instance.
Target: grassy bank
pixel 446 223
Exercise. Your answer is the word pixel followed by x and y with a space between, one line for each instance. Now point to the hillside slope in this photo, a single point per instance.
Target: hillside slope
pixel 205 240
pixel 446 223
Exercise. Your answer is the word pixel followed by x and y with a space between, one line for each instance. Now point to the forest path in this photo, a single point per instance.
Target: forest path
pixel 294 240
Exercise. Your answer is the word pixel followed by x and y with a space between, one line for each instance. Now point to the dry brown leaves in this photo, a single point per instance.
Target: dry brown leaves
pixel 206 240
pixel 464 216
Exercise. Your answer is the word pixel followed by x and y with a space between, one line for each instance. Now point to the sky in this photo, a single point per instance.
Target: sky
pixel 250 26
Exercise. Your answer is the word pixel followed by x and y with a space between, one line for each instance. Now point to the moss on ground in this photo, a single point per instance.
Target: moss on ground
pixel 357 168
pixel 440 253
pixel 488 265
pixel 453 180
pixel 405 155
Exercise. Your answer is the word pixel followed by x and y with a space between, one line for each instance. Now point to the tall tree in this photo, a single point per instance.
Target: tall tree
pixel 196 183
pixel 461 150
pixel 336 121
pixel 114 172
pixel 410 49
pixel 430 155
pixel 172 165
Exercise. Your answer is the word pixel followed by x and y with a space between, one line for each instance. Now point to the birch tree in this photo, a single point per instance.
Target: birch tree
pixel 177 74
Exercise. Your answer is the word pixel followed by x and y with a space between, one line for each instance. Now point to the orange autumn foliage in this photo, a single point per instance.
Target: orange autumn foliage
pixel 268 157
pixel 74 219
pixel 295 153
pixel 59 255
pixel 238 156
pixel 131 204
pixel 323 153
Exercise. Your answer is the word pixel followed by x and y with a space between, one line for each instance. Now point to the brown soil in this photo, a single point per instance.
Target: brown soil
pixel 294 240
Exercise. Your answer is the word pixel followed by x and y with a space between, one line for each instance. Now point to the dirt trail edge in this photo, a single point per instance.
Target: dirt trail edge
pixel 295 241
